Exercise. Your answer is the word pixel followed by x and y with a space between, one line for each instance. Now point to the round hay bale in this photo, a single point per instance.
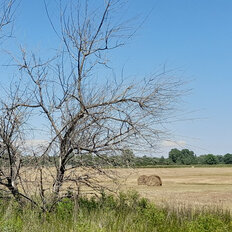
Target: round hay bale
pixel 142 180
pixel 153 180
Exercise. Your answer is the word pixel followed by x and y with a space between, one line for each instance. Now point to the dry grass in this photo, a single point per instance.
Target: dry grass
pixel 196 187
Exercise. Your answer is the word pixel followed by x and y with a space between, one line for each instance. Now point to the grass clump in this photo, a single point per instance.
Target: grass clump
pixel 125 213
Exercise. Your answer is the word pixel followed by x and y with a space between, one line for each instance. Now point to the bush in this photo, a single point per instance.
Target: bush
pixel 208 223
pixel 127 213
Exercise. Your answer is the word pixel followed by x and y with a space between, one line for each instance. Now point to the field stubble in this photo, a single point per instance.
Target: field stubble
pixel 184 187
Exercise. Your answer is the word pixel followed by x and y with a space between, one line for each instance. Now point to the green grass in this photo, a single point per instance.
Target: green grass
pixel 127 213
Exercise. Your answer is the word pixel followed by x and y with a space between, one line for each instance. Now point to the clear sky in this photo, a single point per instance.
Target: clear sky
pixel 194 38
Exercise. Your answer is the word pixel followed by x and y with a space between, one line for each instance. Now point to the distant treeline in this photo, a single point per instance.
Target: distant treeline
pixel 128 159
pixel 184 157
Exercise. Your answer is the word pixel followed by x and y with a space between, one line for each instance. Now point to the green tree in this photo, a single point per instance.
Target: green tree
pixel 175 155
pixel 220 159
pixel 184 156
pixel 210 159
pixel 162 160
pixel 128 157
pixel 228 158
pixel 188 157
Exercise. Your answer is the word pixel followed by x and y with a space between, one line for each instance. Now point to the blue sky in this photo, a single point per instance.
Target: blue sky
pixel 194 38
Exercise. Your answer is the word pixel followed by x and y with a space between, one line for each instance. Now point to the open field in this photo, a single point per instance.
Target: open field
pixel 183 188
pixel 196 187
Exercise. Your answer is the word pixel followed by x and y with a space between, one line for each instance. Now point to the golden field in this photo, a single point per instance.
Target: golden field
pixel 195 187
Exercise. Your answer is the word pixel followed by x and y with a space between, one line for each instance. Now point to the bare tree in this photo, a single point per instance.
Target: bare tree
pixel 82 114
pixel 6 15
pixel 12 125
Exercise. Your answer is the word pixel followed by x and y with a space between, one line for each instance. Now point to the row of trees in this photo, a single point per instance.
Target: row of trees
pixel 188 157
pixel 184 157
pixel 128 159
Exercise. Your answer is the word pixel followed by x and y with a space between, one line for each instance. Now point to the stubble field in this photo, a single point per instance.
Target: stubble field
pixel 184 187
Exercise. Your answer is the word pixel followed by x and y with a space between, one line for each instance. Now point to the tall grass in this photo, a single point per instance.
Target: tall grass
pixel 127 213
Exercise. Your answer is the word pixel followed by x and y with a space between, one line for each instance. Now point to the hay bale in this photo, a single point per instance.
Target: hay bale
pixel 142 180
pixel 153 180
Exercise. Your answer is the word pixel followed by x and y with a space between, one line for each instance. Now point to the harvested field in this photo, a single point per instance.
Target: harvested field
pixel 196 187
